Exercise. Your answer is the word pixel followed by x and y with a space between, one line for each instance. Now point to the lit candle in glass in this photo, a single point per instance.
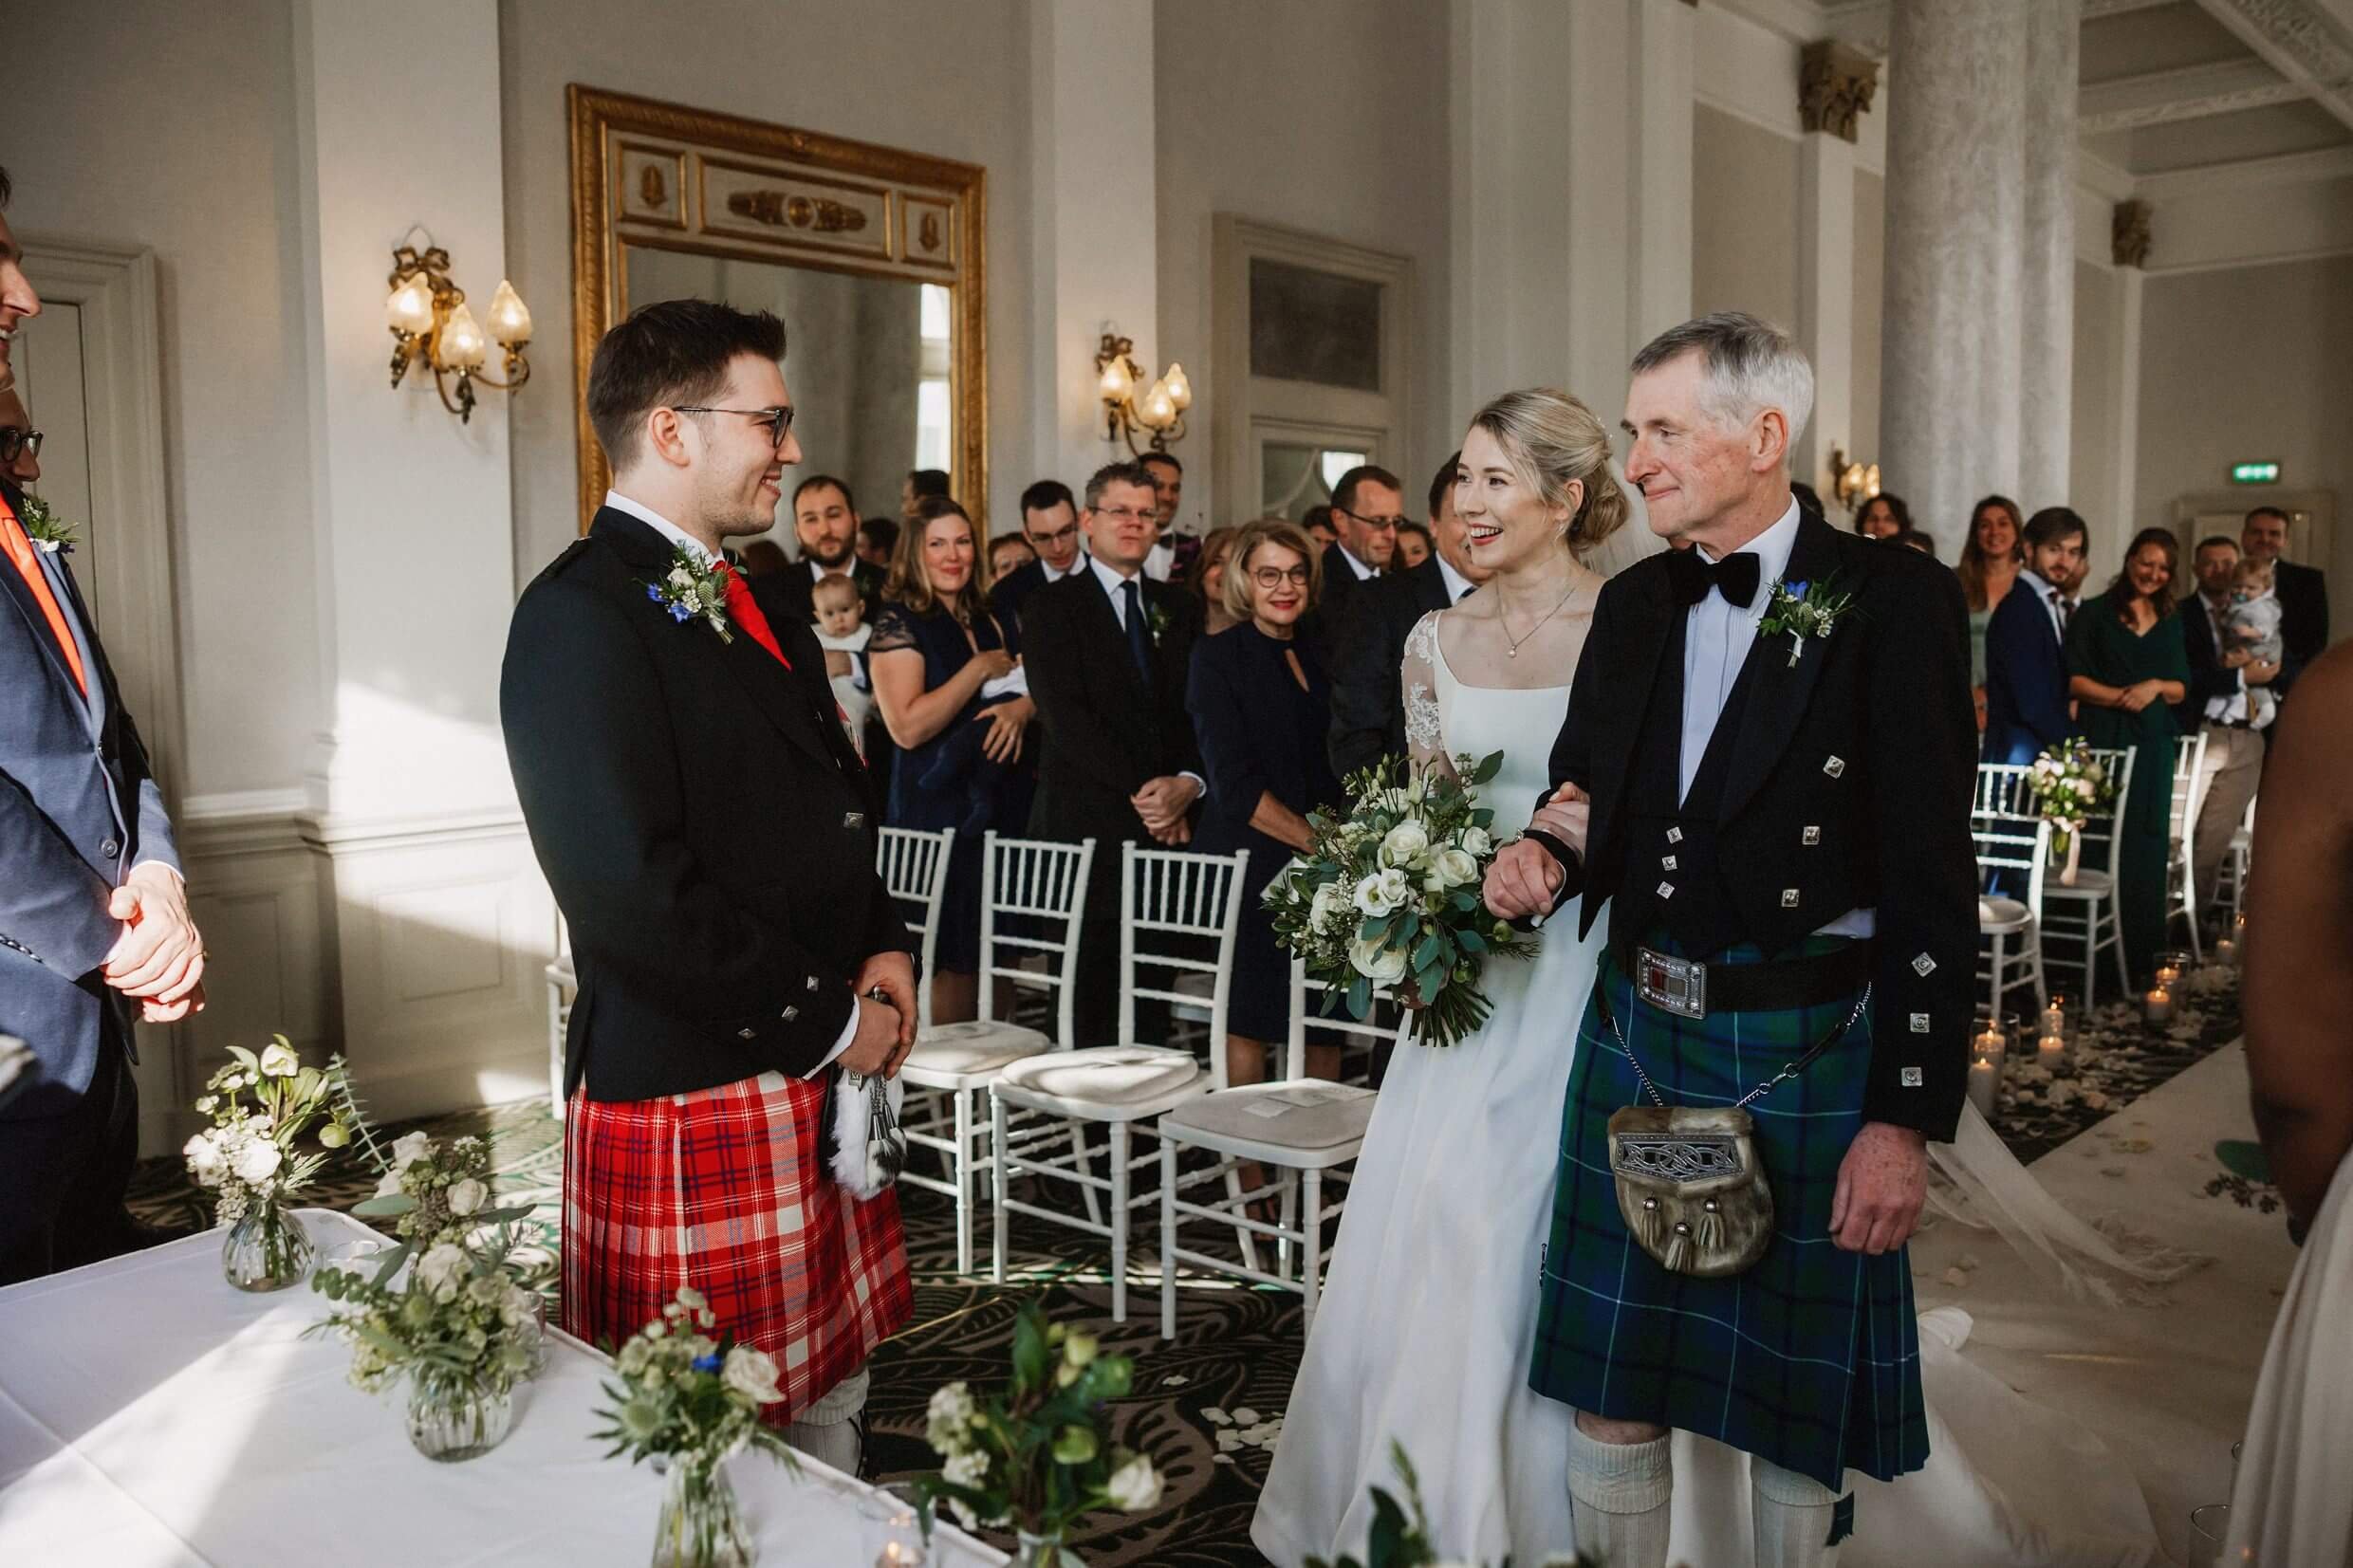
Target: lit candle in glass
pixel 1985 1084
pixel 2159 1006
pixel 2055 1018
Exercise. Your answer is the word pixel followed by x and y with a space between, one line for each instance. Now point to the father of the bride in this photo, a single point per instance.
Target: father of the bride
pixel 709 834
pixel 1766 770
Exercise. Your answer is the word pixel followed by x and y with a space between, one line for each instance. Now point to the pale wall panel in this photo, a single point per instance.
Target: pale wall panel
pixel 1744 218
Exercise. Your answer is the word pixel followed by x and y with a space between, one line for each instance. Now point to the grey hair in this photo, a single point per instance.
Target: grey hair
pixel 1751 365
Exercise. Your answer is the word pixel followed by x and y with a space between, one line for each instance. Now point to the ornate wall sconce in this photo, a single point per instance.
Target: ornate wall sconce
pixel 1853 483
pixel 1159 409
pixel 430 323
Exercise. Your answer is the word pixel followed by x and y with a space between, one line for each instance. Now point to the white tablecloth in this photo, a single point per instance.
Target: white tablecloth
pixel 151 1416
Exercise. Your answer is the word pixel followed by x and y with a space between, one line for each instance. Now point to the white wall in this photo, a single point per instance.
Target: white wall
pixel 1744 218
pixel 1324 115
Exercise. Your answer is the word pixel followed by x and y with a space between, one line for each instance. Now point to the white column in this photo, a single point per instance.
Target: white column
pixel 2046 257
pixel 1093 223
pixel 1949 423
pixel 437 919
pixel 1825 301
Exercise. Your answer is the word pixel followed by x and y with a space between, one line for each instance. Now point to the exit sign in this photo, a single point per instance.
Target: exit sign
pixel 2254 473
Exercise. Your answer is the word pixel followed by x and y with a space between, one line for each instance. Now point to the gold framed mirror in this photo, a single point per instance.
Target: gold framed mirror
pixel 874 257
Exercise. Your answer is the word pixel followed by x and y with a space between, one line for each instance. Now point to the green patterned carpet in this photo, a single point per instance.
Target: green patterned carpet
pixel 1207 1406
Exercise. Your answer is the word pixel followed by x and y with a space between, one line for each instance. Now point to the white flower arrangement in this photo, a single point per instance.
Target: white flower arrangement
pixel 435 1192
pixel 260 1106
pixel 683 1396
pixel 462 1311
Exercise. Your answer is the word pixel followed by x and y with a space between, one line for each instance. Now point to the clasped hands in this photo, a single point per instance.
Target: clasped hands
pixel 885 1029
pixel 1162 803
pixel 1524 880
pixel 158 960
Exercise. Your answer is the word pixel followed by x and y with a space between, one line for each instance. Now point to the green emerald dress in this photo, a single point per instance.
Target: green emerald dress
pixel 2105 649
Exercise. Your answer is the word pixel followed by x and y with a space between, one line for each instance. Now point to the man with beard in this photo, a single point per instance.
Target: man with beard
pixel 824 518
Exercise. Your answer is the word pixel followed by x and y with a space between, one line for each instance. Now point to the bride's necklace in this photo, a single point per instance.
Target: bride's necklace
pixel 1503 618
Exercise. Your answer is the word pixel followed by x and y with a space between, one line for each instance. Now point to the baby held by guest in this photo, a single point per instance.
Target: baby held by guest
pixel 2253 626
pixel 843 632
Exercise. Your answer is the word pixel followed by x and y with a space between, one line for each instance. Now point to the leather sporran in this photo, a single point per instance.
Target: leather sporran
pixel 1690 1188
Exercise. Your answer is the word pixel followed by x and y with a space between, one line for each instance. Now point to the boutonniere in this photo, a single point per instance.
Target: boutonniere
pixel 1804 610
pixel 1157 619
pixel 50 533
pixel 690 591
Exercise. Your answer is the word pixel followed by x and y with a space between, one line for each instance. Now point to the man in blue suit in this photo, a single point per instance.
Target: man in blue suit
pixel 2025 643
pixel 93 914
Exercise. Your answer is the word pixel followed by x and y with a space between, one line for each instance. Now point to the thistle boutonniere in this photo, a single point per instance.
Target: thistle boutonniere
pixel 1157 619
pixel 1804 610
pixel 690 591
pixel 50 532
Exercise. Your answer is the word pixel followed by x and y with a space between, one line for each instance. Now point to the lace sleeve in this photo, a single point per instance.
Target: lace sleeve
pixel 1425 739
pixel 894 629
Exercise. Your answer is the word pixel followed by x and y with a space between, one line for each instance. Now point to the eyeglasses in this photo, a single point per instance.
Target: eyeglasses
pixel 1274 576
pixel 778 420
pixel 1371 521
pixel 1059 536
pixel 1130 515
pixel 16 442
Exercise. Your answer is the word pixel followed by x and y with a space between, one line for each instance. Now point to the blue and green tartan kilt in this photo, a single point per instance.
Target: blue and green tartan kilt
pixel 1811 1359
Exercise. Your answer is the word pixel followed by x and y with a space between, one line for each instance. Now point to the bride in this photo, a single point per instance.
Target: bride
pixel 1430 1309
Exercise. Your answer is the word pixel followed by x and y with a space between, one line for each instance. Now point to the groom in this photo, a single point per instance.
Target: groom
pixel 1778 818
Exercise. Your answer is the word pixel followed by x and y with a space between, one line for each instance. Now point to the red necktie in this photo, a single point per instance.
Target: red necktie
pixel 745 612
pixel 20 549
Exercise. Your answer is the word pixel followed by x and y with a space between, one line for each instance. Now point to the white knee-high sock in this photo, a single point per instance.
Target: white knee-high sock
pixel 1620 1491
pixel 1792 1517
pixel 832 1430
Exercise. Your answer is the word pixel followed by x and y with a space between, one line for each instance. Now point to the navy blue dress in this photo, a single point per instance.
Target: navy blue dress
pixel 944 783
pixel 1259 732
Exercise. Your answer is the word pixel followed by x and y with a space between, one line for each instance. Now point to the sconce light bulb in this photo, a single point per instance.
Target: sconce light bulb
pixel 1179 390
pixel 460 346
pixel 510 322
pixel 1871 481
pixel 410 307
pixel 1118 386
pixel 1158 409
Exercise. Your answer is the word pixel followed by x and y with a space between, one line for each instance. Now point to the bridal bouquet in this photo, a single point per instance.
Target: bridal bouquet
pixel 261 1105
pixel 2069 786
pixel 1038 1455
pixel 1389 896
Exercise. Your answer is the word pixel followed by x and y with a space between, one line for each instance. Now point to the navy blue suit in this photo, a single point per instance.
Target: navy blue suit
pixel 78 809
pixel 2026 678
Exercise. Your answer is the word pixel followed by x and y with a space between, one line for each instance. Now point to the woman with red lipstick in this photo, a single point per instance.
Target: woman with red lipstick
pixel 1261 706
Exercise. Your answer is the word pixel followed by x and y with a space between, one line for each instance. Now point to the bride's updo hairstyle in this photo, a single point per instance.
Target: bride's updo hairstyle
pixel 1551 439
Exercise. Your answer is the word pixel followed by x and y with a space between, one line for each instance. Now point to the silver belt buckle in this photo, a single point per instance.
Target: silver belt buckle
pixel 1678 985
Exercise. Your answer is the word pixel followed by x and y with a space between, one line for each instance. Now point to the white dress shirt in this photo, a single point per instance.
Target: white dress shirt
pixel 694 547
pixel 1052 575
pixel 1113 587
pixel 2050 599
pixel 1161 560
pixel 1718 637
pixel 1364 573
pixel 1456 585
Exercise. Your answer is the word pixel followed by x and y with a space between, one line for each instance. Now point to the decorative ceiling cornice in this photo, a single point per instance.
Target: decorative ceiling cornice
pixel 2299 41
pixel 2163 97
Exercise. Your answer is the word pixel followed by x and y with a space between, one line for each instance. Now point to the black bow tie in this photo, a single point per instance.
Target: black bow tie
pixel 1734 577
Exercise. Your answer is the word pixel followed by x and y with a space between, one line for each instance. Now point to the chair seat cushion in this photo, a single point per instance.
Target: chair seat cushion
pixel 1313 1114
pixel 1105 1075
pixel 2002 915
pixel 973 1046
pixel 2088 884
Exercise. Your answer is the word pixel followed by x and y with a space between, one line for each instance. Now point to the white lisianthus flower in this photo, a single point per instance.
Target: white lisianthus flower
pixel 389 1184
pixel 278 1062
pixel 1134 1487
pixel 442 1269
pixel 517 1306
pixel 205 1160
pixel 408 1149
pixel 1330 906
pixel 1406 845
pixel 752 1374
pixel 681 578
pixel 969 1468
pixel 1381 892
pixel 1380 964
pixel 465 1196
pixel 949 1417
pixel 1477 842
pixel 1452 868
pixel 257 1161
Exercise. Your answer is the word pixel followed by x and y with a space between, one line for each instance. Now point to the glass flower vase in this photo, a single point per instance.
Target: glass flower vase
pixel 454 1416
pixel 1045 1550
pixel 267 1247
pixel 702 1525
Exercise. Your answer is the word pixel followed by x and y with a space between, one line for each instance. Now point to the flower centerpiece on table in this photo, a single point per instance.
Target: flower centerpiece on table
pixel 251 1155
pixel 1389 896
pixel 436 1192
pixel 1038 1456
pixel 2069 786
pixel 689 1402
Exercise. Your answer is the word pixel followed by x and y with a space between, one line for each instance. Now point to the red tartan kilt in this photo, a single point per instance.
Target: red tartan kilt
pixel 723 1190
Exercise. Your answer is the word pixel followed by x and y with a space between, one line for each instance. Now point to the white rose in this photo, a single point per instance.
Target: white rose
pixel 442 1269
pixel 389 1184
pixel 752 1374
pixel 205 1160
pixel 257 1161
pixel 1476 841
pixel 1134 1487
pixel 1329 908
pixel 1381 892
pixel 278 1062
pixel 969 1468
pixel 1382 965
pixel 1452 868
pixel 465 1196
pixel 1406 843
pixel 408 1149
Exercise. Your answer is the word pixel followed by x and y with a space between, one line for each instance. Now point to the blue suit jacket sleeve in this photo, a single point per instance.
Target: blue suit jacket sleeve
pixel 2019 641
pixel 53 905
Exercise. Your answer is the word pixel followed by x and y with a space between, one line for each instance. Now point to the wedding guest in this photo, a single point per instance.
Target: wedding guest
pixel 1367 506
pixel 1913 539
pixel 877 542
pixel 1318 522
pixel 707 829
pixel 1206 582
pixel 1107 651
pixel 1168 489
pixel 94 919
pixel 1007 554
pixel 1883 516
pixel 1989 564
pixel 2027 709
pixel 947 681
pixel 763 558
pixel 2124 655
pixel 1050 521
pixel 1414 545
pixel 2223 684
pixel 1260 703
pixel 2303 592
pixel 919 485
pixel 1368 702
pixel 824 520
